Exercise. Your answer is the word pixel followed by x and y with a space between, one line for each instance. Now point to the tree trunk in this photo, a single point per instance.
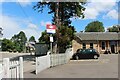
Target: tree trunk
pixel 57 24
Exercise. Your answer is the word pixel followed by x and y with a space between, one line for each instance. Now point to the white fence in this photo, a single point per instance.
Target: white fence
pixel 63 58
pixel 12 69
pixel 1 71
pixel 44 62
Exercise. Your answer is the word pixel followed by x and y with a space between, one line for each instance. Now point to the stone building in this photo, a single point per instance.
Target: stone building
pixel 101 41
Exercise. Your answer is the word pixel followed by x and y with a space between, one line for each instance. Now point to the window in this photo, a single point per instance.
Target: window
pixel 103 45
pixel 84 46
pixel 91 45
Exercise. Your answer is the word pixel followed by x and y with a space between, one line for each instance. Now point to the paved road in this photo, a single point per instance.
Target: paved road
pixel 105 67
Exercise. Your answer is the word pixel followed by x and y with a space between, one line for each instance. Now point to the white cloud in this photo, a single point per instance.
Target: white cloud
pixel 12 26
pixel 96 7
pixel 24 2
pixel 32 26
pixel 32 32
pixel 9 25
pixel 112 14
pixel 43 23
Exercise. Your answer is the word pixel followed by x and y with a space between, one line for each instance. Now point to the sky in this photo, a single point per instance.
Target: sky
pixel 16 16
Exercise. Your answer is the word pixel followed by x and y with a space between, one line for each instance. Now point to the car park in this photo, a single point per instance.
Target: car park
pixel 86 54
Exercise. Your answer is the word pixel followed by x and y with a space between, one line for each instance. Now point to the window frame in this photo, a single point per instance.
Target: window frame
pixel 84 45
pixel 91 47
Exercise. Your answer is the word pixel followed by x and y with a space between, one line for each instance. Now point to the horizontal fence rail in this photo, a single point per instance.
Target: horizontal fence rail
pixel 12 69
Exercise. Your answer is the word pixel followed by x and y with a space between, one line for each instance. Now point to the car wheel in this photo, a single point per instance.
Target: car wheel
pixel 76 57
pixel 95 57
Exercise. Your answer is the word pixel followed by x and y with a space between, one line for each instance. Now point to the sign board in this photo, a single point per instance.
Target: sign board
pixel 51 28
pixel 51 39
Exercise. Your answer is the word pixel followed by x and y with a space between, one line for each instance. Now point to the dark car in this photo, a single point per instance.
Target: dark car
pixel 86 54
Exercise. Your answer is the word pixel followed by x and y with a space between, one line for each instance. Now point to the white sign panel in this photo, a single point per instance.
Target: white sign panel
pixel 51 39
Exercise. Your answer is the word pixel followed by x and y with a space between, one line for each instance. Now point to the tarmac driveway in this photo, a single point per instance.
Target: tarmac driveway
pixel 105 67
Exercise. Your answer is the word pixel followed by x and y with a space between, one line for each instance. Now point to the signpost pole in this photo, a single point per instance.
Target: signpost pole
pixel 52 63
pixel 51 29
pixel 51 43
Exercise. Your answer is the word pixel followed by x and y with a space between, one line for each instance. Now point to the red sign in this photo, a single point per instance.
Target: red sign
pixel 51 28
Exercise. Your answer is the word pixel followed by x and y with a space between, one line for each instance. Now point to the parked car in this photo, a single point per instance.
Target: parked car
pixel 86 54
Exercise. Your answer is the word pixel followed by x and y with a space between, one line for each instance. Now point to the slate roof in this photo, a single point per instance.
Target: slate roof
pixel 98 35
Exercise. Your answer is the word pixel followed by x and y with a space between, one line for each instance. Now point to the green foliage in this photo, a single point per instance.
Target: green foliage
pixel 7 45
pixel 44 38
pixel 114 28
pixel 19 41
pixel 65 36
pixel 66 10
pixel 32 39
pixel 16 43
pixel 95 26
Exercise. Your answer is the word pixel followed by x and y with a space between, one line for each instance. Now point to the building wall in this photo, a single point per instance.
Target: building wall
pixel 77 44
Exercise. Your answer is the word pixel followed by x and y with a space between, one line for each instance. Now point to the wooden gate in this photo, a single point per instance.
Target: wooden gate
pixel 12 69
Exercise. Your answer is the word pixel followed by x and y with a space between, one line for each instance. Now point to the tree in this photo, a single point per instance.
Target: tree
pixel 19 40
pixel 7 45
pixel 66 35
pixel 62 11
pixel 44 38
pixel 115 28
pixel 95 26
pixel 32 39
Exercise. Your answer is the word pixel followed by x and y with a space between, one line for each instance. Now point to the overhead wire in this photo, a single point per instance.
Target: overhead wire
pixel 27 16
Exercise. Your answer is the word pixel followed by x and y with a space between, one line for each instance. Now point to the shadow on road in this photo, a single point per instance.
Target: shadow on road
pixel 25 58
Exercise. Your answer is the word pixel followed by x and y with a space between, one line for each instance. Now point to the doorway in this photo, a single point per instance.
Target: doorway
pixel 113 48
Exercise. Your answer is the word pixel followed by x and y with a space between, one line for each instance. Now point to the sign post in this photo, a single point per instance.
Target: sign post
pixel 51 29
pixel 51 40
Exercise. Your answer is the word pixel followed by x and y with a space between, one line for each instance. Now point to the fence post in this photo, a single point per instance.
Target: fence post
pixel 6 64
pixel 21 67
pixel 36 59
pixel 1 71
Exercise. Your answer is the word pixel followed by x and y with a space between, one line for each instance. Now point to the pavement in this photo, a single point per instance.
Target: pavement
pixel 104 67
